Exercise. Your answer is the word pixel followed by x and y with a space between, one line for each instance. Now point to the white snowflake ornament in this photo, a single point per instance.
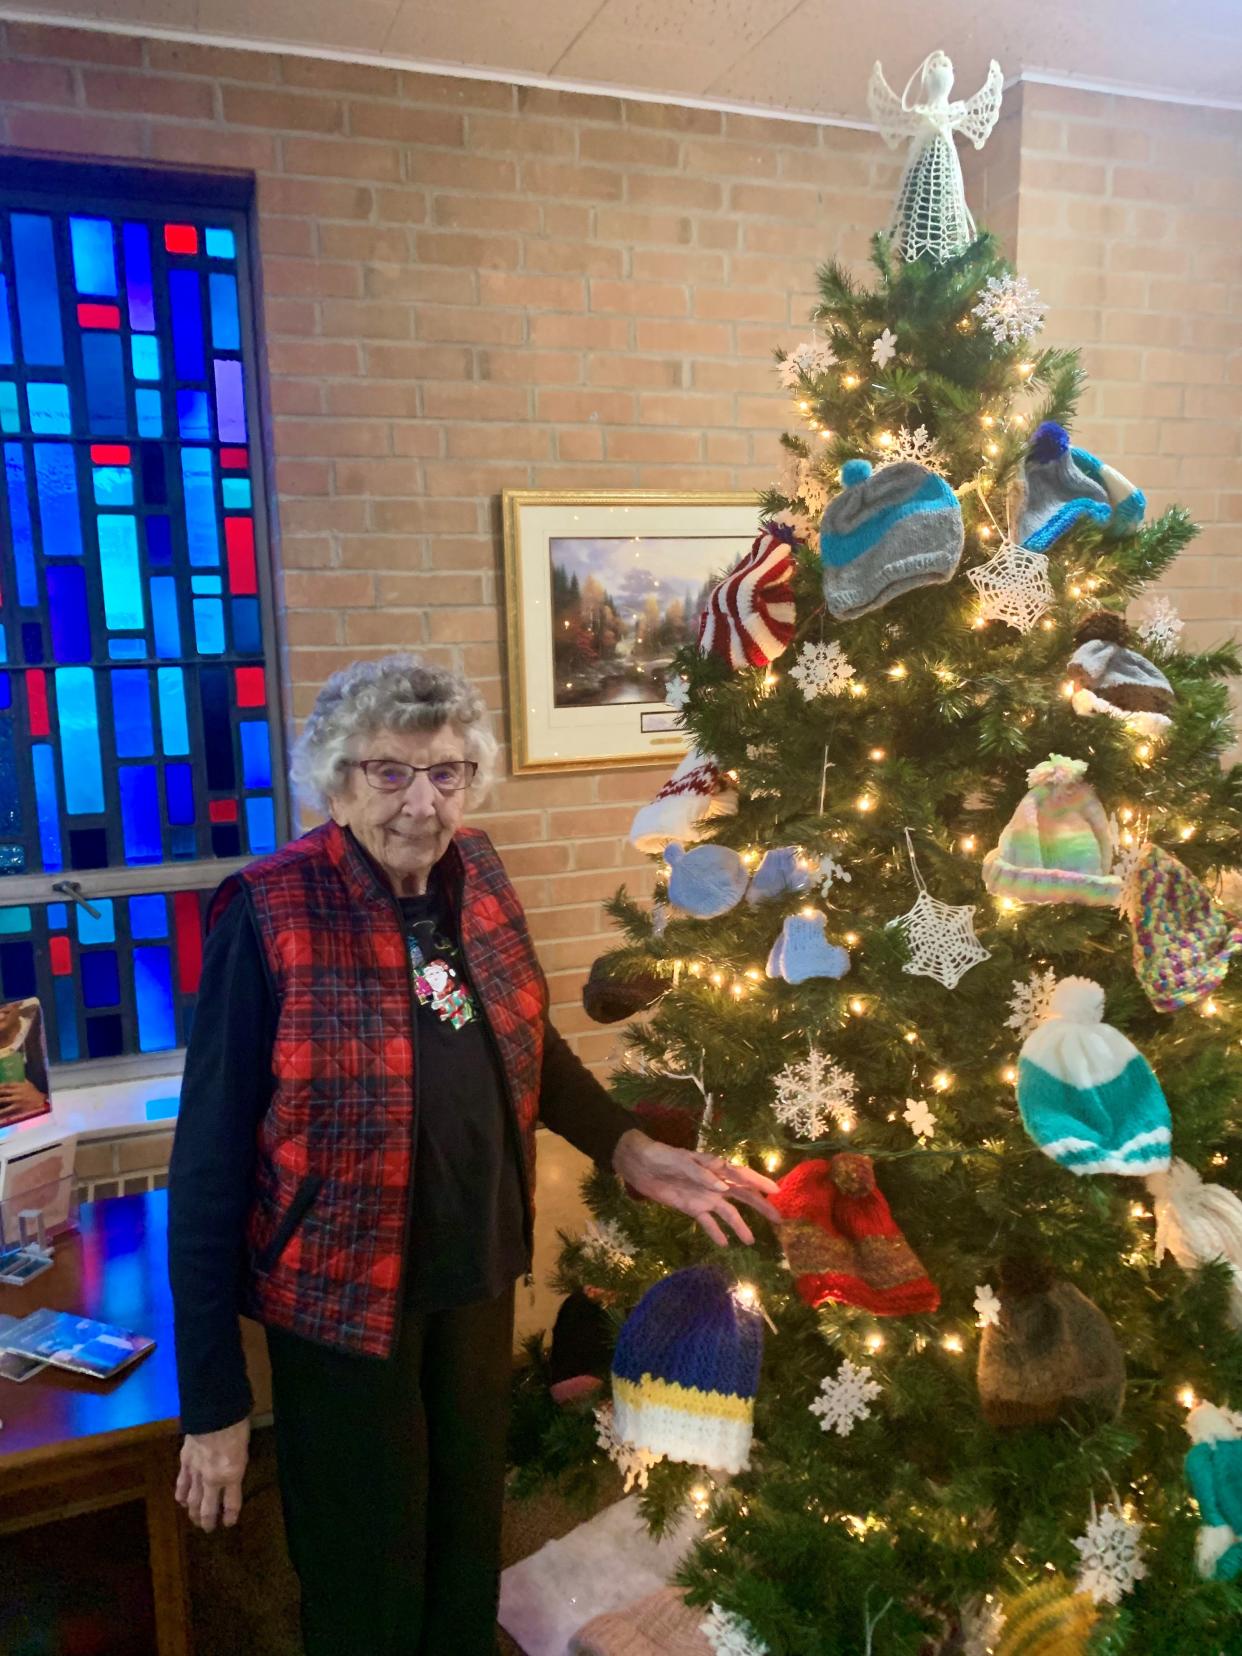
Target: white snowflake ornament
pixel 884 349
pixel 812 1095
pixel 983 1621
pixel 805 361
pixel 827 872
pixel 845 1398
pixel 729 1635
pixel 918 1117
pixel 987 1306
pixel 1013 586
pixel 676 691
pixel 1160 624
pixel 941 938
pixel 1028 1005
pixel 1112 1559
pixel 1010 309
pixel 604 1239
pixel 821 670
pixel 916 445
pixel 633 1463
pixel 812 489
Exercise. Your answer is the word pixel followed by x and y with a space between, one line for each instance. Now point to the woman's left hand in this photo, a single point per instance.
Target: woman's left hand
pixel 700 1186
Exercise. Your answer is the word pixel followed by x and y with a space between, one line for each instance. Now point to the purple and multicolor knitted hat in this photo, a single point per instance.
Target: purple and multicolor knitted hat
pixel 1183 938
pixel 1056 847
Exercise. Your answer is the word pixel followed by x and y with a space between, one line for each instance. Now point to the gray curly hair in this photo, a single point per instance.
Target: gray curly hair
pixel 399 692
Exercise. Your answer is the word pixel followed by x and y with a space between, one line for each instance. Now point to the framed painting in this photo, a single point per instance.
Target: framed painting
pixel 601 589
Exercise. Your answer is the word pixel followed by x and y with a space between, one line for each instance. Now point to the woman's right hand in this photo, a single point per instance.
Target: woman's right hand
pixel 213 1464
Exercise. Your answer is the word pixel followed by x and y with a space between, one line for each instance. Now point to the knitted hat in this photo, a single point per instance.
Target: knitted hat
pixel 842 1243
pixel 1052 1356
pixel 581 1348
pixel 696 791
pixel 1183 938
pixel 608 996
pixel 886 533
pixel 781 872
pixel 1056 847
pixel 1198 1223
pixel 705 881
pixel 1062 485
pixel 1088 1097
pixel 749 618
pixel 1049 1619
pixel 1214 1473
pixel 686 1369
pixel 1109 677
pixel 803 951
pixel 662 1624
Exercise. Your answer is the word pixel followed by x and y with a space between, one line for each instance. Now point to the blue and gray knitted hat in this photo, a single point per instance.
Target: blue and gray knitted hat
pixel 886 533
pixel 686 1369
pixel 1062 485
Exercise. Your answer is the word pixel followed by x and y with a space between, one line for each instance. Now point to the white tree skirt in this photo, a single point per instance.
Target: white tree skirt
pixel 605 1564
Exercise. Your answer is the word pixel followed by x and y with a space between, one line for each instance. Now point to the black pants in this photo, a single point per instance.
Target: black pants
pixel 392 1480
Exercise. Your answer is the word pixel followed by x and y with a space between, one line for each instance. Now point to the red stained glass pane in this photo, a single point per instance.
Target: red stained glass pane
pixel 239 539
pixel 251 687
pixel 36 698
pixel 189 941
pixel 62 960
pixel 181 238
pixel 99 316
pixel 222 810
pixel 234 459
pixel 110 454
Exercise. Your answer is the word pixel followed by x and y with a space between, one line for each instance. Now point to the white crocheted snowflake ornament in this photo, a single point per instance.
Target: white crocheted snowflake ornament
pixel 1013 587
pixel 1010 309
pixel 676 691
pixel 845 1398
pixel 1160 624
pixel 1028 1005
pixel 919 1118
pixel 987 1306
pixel 633 1463
pixel 805 362
pixel 904 445
pixel 812 1095
pixel 729 1635
pixel 1112 1558
pixel 821 670
pixel 604 1239
pixel 941 939
pixel 884 349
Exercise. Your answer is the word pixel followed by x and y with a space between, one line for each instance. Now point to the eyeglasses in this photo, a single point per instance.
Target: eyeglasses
pixel 390 776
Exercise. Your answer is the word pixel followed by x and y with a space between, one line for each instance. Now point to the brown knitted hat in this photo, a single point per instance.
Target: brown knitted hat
pixel 1053 1355
pixel 662 1624
pixel 1104 664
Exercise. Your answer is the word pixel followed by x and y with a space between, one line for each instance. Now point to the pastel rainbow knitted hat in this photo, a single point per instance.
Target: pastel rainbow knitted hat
pixel 686 1369
pixel 750 614
pixel 1088 1097
pixel 886 533
pixel 1183 938
pixel 1056 847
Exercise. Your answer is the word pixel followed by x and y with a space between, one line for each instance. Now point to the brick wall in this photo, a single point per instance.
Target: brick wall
pixel 470 286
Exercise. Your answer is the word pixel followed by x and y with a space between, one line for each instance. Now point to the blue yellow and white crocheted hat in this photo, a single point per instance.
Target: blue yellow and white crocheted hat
pixel 686 1369
pixel 1088 1097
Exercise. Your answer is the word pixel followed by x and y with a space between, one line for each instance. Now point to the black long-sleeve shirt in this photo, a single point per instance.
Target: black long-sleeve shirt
pixel 467 1237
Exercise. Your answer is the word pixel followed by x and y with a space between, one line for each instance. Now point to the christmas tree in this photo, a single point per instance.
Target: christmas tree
pixel 957 785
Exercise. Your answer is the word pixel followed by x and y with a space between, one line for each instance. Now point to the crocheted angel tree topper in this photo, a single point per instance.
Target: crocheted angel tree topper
pixel 999 1096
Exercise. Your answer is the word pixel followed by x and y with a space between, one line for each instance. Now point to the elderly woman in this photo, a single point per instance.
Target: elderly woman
pixel 354 1166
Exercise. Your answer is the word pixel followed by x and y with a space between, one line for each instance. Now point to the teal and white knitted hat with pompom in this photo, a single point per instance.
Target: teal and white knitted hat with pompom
pixel 1056 847
pixel 1088 1097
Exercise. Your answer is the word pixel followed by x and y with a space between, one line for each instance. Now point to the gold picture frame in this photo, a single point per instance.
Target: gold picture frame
pixel 590 695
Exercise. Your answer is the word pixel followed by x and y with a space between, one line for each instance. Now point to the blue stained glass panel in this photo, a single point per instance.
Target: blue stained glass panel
pixel 261 825
pixel 140 814
pixel 206 586
pixel 105 1036
pixel 213 695
pixel 38 297
pixel 202 528
pixel 127 649
pixel 114 486
pixel 4 646
pixel 6 332
pixel 48 403
pixel 209 626
pixel 153 997
pixel 10 797
pixel 65 991
pixel 256 747
pixel 94 263
pixel 20 526
pixel 14 922
pixel 12 858
pixel 81 767
pixel 150 413
pixel 131 713
pixel 101 978
pixel 119 569
pixel 66 603
pixel 139 288
pixel 236 492
pixel 148 916
pixel 225 323
pixel 159 540
pixel 247 626
pixel 57 489
pixel 220 244
pixel 154 477
pixel 10 415
pixel 32 642
pixel 6 690
pixel 46 806
pixel 193 415
pixel 144 352
pixel 187 324
pixel 174 726
pixel 105 384
pixel 101 929
pixel 17 970
pixel 230 401
pixel 57 916
pixel 164 617
pixel 179 788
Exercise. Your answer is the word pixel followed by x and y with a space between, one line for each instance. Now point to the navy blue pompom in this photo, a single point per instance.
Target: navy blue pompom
pixel 1049 442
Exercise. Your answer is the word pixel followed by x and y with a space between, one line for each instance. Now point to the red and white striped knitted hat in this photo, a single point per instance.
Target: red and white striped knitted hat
pixel 696 791
pixel 749 619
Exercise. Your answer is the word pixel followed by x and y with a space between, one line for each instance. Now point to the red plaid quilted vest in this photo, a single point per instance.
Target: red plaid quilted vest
pixel 327 1226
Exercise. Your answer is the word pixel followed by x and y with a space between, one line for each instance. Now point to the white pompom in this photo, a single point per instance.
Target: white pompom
pixel 1198 1223
pixel 1213 1542
pixel 1077 1000
pixel 1207 1424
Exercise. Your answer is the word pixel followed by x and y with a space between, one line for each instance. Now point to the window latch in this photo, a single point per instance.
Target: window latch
pixel 73 888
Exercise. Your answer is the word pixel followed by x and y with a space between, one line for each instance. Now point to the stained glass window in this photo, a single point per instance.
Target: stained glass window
pixel 137 731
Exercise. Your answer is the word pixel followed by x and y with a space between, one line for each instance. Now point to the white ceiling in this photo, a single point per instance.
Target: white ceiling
pixel 804 57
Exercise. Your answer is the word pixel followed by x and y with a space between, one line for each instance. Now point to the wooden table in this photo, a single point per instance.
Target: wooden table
pixel 70 1444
